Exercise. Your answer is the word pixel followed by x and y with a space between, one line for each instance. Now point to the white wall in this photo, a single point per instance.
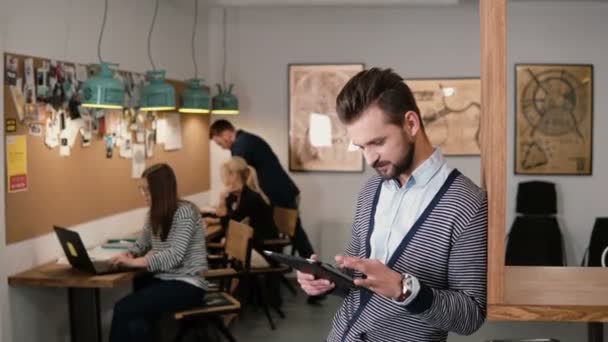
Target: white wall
pixel 416 42
pixel 567 32
pixel 263 41
pixel 68 30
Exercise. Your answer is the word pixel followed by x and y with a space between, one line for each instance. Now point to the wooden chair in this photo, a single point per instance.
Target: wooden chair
pixel 217 305
pixel 237 249
pixel 239 245
pixel 286 220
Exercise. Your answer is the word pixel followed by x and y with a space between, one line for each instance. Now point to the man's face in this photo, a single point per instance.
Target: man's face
pixel 386 147
pixel 224 139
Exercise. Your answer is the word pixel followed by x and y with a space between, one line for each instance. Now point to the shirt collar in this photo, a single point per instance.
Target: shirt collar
pixel 424 172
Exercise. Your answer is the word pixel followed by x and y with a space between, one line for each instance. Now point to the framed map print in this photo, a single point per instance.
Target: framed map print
pixel 450 110
pixel 317 139
pixel 553 119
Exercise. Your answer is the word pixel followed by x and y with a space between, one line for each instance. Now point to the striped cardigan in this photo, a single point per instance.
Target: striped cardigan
pixel 445 249
pixel 183 255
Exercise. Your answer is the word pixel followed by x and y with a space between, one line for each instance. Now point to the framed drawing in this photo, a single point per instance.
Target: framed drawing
pixel 317 139
pixel 553 119
pixel 450 110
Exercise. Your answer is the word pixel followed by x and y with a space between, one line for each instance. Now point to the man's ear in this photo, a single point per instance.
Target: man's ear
pixel 411 122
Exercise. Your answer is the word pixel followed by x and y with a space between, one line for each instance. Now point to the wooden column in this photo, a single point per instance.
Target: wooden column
pixel 493 138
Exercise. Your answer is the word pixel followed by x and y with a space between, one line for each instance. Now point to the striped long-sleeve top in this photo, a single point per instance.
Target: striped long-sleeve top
pixel 445 249
pixel 183 255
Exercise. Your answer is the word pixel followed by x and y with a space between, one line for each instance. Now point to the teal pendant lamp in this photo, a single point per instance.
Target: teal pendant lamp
pixel 195 99
pixel 103 90
pixel 157 95
pixel 225 102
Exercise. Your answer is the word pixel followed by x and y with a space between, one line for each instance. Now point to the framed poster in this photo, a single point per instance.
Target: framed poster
pixel 450 110
pixel 317 139
pixel 553 119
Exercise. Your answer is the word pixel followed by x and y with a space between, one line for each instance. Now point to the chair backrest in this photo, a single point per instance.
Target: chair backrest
pixel 535 241
pixel 285 219
pixel 238 240
pixel 536 198
pixel 598 243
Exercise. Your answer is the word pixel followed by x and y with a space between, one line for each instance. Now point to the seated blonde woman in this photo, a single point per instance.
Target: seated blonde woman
pixel 242 198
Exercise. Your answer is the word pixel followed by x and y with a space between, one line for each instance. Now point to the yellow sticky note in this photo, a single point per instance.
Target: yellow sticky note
pixel 72 249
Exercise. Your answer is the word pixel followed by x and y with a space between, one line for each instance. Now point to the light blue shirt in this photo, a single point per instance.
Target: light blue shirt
pixel 399 207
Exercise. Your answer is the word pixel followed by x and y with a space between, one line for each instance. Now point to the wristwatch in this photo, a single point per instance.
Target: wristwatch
pixel 406 287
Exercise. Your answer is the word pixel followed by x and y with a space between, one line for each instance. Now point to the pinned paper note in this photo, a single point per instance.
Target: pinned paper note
pixel 51 138
pixel 138 160
pixel 161 130
pixel 173 136
pixel 16 163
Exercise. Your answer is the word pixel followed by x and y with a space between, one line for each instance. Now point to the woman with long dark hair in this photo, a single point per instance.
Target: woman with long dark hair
pixel 171 249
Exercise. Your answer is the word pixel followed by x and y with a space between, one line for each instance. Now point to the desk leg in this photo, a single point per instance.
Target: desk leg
pixel 595 332
pixel 85 322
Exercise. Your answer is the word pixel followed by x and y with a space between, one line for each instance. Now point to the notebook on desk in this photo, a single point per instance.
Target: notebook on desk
pixel 78 256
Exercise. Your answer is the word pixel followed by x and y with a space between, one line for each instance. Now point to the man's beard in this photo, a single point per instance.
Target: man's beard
pixel 394 170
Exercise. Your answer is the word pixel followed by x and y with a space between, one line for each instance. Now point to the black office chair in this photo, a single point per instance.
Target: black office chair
pixel 596 254
pixel 535 238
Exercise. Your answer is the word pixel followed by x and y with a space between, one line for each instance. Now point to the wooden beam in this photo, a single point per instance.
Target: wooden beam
pixel 556 286
pixel 538 313
pixel 493 136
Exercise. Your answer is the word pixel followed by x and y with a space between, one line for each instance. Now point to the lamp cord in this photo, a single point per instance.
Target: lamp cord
pixel 193 38
pixel 224 49
pixel 150 35
pixel 103 27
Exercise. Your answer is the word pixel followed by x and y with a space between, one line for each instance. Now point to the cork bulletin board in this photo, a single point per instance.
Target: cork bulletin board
pixel 87 185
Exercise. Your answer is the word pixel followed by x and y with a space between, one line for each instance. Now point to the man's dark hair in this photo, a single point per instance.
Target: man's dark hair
pixel 381 87
pixel 219 126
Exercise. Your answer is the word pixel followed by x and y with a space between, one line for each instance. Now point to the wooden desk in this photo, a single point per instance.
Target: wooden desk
pixel 83 294
pixel 213 231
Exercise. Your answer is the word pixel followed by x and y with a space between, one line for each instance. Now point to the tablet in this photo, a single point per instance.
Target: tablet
pixel 317 268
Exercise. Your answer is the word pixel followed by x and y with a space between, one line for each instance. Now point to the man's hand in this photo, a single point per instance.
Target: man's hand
pixel 378 277
pixel 312 286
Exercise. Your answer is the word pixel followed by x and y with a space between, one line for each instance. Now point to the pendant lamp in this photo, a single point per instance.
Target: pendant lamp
pixel 195 99
pixel 103 90
pixel 225 102
pixel 157 95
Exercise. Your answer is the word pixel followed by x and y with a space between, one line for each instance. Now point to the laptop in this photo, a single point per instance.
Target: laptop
pixel 78 256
